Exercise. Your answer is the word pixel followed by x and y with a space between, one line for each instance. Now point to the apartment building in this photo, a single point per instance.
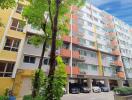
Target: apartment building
pixel 98 49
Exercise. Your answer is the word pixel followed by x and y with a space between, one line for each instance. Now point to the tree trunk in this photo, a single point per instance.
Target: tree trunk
pixel 50 95
pixel 36 83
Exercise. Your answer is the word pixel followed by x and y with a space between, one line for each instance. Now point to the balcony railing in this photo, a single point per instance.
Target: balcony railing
pixel 110 26
pixel 114 43
pixel 75 70
pixel 75 40
pixel 65 53
pixel 121 74
pixel 118 63
pixel 66 38
pixel 116 52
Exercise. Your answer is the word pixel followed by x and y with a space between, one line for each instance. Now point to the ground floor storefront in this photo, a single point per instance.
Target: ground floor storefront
pixel 22 83
pixel 94 81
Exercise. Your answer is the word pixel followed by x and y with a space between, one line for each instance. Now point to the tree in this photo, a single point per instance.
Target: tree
pixel 5 4
pixel 57 9
pixel 34 13
pixel 55 26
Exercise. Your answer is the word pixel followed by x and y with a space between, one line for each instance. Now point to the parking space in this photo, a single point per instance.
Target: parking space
pixel 89 96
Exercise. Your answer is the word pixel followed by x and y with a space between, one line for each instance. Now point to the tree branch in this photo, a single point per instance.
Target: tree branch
pixel 50 14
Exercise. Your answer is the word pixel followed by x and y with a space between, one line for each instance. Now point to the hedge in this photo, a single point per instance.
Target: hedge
pixel 4 98
pixel 123 91
pixel 29 97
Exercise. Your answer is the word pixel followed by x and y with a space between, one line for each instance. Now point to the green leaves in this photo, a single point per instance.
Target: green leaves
pixel 1 24
pixel 34 12
pixel 36 40
pixel 40 80
pixel 60 77
pixel 5 4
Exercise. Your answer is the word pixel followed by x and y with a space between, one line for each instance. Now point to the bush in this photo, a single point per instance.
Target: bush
pixel 123 91
pixel 29 97
pixel 4 98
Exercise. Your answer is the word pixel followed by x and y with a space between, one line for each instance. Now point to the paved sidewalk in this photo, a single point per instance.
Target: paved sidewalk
pixel 89 96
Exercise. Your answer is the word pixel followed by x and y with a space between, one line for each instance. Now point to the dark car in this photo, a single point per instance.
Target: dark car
pixel 85 89
pixel 104 89
pixel 74 90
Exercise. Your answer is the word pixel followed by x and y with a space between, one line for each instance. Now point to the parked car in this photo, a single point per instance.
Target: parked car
pixel 96 89
pixel 104 89
pixel 84 89
pixel 74 90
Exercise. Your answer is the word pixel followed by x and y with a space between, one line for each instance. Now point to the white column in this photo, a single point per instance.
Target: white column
pixel 89 83
pixel 130 83
pixel 120 83
pixel 71 41
pixel 19 57
pixel 67 86
pixel 107 84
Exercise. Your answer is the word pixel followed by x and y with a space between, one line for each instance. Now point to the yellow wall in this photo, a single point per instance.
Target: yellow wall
pixel 5 83
pixel 8 55
pixel 100 63
pixel 21 74
pixel 16 34
pixel 4 16
pixel 1 32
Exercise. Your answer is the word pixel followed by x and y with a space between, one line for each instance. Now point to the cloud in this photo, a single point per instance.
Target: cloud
pixel 99 2
pixel 119 8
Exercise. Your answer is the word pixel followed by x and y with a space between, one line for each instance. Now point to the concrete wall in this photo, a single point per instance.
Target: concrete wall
pixel 4 84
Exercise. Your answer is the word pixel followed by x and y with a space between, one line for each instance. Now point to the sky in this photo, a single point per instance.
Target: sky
pixel 121 9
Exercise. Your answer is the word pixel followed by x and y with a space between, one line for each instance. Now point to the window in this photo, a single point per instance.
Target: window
pixel 95 19
pixel 91 43
pixel 66 61
pixel 82 41
pixel 29 59
pixel 6 69
pixel 17 25
pixel 89 24
pixel 65 45
pixel 11 44
pixel 93 68
pixel 93 55
pixel 46 61
pixel 19 8
pixel 108 69
pixel 100 46
pixel 90 33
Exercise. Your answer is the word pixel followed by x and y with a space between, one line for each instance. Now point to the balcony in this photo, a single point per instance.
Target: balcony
pixel 75 40
pixel 118 63
pixel 112 33
pixel 74 8
pixel 65 53
pixel 110 26
pixel 121 74
pixel 74 17
pixel 66 38
pixel 109 17
pixel 75 70
pixel 76 54
pixel 116 52
pixel 114 43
